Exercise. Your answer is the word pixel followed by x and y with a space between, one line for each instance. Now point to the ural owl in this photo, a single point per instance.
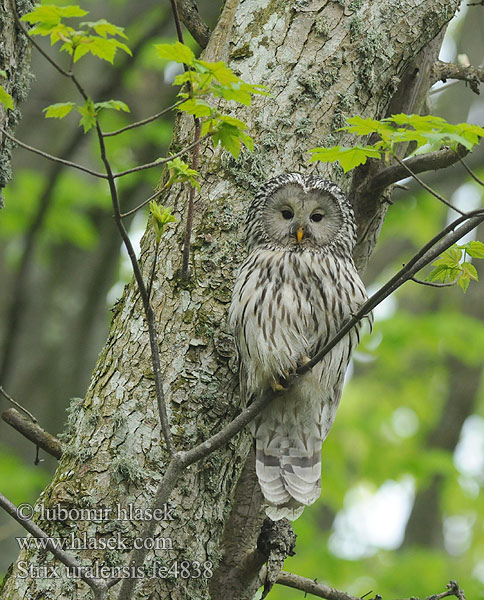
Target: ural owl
pixel 292 294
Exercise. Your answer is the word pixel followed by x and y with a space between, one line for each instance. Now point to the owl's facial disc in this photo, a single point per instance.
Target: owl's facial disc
pixel 295 218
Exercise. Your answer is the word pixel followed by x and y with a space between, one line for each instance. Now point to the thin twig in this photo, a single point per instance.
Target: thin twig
pixel 19 406
pixel 143 121
pixel 33 432
pixel 149 313
pixel 160 161
pixel 99 586
pixel 309 586
pixel 144 203
pixel 191 200
pixel 421 163
pixel 426 187
pixel 56 159
pixel 434 283
pixel 470 171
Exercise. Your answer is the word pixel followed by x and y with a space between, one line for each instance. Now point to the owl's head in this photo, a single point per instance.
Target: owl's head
pixel 297 212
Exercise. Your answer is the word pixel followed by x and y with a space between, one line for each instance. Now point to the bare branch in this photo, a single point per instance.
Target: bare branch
pixel 441 71
pixel 15 403
pixel 160 161
pixel 148 310
pixel 33 432
pixel 323 591
pixel 427 187
pixel 56 159
pixel 312 587
pixel 443 240
pixel 433 283
pixel 431 161
pixel 471 172
pixel 143 121
pixel 144 203
pixel 98 586
pixel 191 200
pixel 190 17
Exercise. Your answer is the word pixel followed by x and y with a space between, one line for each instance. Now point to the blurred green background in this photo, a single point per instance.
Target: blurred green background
pixel 401 511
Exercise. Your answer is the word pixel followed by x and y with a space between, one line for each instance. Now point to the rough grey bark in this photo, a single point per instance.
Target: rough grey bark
pixel 321 62
pixel 15 61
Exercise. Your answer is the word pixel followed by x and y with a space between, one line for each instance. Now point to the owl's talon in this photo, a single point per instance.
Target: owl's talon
pixel 277 387
pixel 303 361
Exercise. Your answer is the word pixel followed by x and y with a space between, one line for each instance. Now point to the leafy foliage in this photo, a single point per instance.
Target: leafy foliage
pixel 450 266
pixel 5 98
pixel 203 80
pixel 160 217
pixel 425 132
pixel 180 172
pixel 96 37
pixel 89 111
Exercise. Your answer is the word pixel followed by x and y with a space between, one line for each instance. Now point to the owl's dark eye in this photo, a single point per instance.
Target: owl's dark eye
pixel 287 214
pixel 316 217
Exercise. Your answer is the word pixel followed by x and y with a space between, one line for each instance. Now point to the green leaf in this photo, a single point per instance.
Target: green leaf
pixel 474 249
pixel 196 107
pixel 104 28
pixel 180 172
pixel 49 14
pixel 443 273
pixel 349 158
pixel 161 217
pixel 5 98
pixel 469 270
pixel 88 112
pixel 366 126
pixel 113 104
pixel 219 71
pixel 177 52
pixel 58 110
pixel 463 282
pixel 3 73
pixel 103 48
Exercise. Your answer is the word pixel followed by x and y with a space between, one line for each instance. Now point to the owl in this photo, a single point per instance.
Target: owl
pixel 296 289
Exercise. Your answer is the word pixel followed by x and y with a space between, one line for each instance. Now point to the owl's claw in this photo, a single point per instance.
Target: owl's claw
pixel 303 361
pixel 277 387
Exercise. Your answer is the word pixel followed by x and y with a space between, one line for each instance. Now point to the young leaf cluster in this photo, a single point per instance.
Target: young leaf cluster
pixel 5 98
pixel 100 38
pixel 424 132
pixel 89 111
pixel 161 217
pixel 203 80
pixel 452 265
pixel 180 172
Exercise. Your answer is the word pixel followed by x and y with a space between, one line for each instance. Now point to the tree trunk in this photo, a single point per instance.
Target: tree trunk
pixel 320 62
pixel 15 61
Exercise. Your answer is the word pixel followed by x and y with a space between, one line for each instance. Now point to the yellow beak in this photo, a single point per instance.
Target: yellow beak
pixel 299 234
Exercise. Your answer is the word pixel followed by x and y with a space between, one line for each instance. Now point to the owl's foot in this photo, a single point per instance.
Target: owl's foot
pixel 277 386
pixel 303 361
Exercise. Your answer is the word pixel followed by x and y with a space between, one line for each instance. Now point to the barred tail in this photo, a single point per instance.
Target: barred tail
pixel 289 474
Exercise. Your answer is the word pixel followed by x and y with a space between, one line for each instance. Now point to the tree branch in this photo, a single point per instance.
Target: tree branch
pixel 148 310
pixel 159 161
pixel 431 161
pixel 441 71
pixel 190 17
pixel 33 432
pixel 56 159
pixel 143 121
pixel 98 586
pixel 323 591
pixel 15 403
pixel 438 244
